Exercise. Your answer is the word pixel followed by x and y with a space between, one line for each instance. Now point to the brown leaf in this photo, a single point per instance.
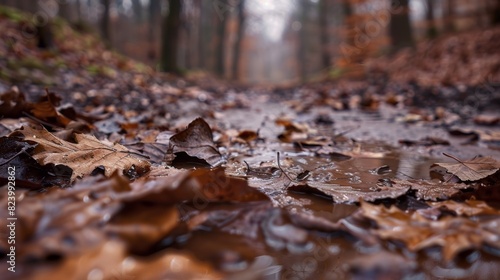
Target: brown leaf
pixel 110 260
pixel 430 190
pixel 468 208
pixel 196 141
pixel 13 103
pixel 472 170
pixel 84 156
pixel 46 110
pixel 348 194
pixel 199 186
pixel 29 174
pixel 142 226
pixel 453 234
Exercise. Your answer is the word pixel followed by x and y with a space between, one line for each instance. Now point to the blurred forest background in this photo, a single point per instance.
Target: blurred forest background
pixel 257 41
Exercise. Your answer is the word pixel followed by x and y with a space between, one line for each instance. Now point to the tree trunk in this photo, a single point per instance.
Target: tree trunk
pixel 137 8
pixel 399 27
pixel 496 13
pixel 449 26
pixel 239 39
pixel 170 37
pixel 429 16
pixel 154 16
pixel 303 39
pixel 105 26
pixel 78 11
pixel 220 46
pixel 323 25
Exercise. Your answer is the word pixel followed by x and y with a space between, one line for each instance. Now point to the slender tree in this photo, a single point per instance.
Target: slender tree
pixel 496 13
pixel 239 39
pixel 399 27
pixel 137 8
pixel 429 16
pixel 105 22
pixel 449 25
pixel 324 37
pixel 220 45
pixel 154 20
pixel 303 40
pixel 170 37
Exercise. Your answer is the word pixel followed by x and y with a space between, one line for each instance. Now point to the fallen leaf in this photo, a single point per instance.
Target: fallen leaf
pixel 472 170
pixel 83 157
pixel 110 260
pixel 348 194
pixel 196 141
pixel 13 103
pixel 28 173
pixel 452 234
pixel 467 208
pixel 46 110
pixel 430 190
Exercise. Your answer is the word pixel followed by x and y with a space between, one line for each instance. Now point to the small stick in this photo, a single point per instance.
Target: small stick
pixel 279 166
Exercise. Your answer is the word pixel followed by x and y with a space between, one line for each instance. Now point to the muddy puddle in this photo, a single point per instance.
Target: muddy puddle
pixel 331 255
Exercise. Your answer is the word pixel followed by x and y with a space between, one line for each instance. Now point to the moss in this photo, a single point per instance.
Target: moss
pixel 12 14
pixel 336 72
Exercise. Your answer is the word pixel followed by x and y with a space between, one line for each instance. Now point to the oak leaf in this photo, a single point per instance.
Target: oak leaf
pixel 471 170
pixel 84 156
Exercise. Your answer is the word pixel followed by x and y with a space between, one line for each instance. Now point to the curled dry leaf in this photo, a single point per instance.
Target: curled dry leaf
pixel 84 156
pixel 196 141
pixel 472 170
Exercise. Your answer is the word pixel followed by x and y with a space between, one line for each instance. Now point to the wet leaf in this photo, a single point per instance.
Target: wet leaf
pixel 472 170
pixel 196 141
pixel 13 103
pixel 201 185
pixel 110 260
pixel 84 156
pixel 430 190
pixel 452 234
pixel 46 110
pixel 28 173
pixel 349 194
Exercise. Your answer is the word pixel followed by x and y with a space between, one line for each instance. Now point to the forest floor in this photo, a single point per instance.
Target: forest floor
pixel 123 173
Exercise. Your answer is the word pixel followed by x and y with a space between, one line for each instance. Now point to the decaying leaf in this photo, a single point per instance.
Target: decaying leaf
pixel 84 156
pixel 472 170
pixel 110 260
pixel 430 190
pixel 196 141
pixel 29 174
pixel 453 234
pixel 349 194
pixel 13 103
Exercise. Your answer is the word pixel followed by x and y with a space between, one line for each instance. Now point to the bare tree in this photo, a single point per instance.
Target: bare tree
pixel 399 28
pixel 220 46
pixel 303 39
pixel 449 15
pixel 154 20
pixel 324 36
pixel 429 16
pixel 239 39
pixel 170 37
pixel 496 13
pixel 105 21
pixel 137 8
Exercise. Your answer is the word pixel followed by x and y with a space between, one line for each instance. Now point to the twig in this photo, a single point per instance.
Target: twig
pixel 279 166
